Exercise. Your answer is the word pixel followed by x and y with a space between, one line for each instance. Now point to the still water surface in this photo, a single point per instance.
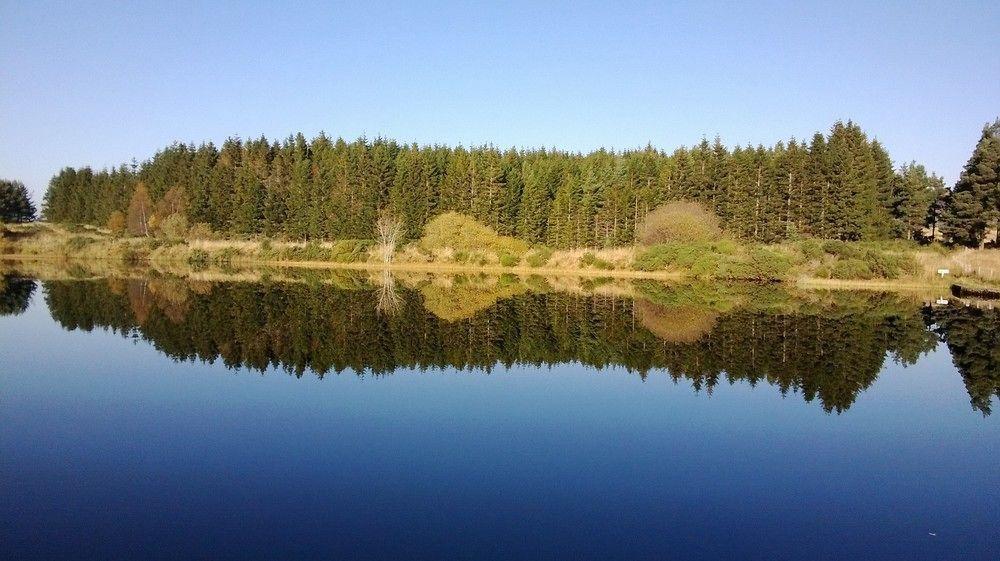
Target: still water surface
pixel 157 418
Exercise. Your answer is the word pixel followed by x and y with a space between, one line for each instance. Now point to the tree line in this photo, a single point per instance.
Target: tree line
pixel 840 185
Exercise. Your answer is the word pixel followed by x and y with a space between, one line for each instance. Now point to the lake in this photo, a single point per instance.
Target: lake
pixel 340 415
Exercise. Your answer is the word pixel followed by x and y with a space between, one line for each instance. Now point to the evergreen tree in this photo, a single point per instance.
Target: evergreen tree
pixel 972 212
pixel 15 203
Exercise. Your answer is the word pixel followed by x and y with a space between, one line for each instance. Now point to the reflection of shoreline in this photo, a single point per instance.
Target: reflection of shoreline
pixel 827 346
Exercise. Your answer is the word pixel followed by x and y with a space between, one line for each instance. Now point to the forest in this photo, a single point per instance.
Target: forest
pixel 841 185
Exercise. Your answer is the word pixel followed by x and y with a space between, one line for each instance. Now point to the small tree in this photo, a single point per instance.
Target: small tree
pixel 116 223
pixel 15 203
pixel 174 227
pixel 389 230
pixel 679 221
pixel 140 211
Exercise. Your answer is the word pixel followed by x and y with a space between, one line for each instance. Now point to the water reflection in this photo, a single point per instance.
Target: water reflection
pixel 825 346
pixel 15 295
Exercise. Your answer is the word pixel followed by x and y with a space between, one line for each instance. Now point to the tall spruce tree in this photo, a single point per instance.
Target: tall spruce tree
pixel 972 212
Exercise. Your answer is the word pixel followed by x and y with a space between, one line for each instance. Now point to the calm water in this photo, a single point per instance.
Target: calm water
pixel 471 418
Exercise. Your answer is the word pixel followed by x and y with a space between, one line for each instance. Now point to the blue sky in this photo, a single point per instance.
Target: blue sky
pixel 89 83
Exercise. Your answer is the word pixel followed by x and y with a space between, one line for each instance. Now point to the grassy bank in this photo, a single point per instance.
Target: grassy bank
pixel 461 248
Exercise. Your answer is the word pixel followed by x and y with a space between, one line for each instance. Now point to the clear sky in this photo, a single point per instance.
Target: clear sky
pixel 86 83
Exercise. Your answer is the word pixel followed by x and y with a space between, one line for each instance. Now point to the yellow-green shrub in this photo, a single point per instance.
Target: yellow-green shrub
pixel 463 233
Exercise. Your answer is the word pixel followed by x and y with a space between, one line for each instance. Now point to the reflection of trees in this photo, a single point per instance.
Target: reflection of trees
pixel 829 347
pixel 973 338
pixel 389 300
pixel 15 295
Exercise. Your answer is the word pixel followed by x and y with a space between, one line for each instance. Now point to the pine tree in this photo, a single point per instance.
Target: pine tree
pixel 972 213
pixel 15 203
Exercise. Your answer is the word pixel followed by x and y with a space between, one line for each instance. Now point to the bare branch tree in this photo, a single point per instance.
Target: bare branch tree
pixel 389 230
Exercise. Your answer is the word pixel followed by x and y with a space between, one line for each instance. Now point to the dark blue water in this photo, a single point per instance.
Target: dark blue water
pixel 111 449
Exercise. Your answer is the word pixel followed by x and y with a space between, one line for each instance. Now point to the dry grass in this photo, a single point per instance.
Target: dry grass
pixel 619 257
pixel 978 264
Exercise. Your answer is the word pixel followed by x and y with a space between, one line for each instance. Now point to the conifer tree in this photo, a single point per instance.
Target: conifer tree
pixel 972 212
pixel 15 203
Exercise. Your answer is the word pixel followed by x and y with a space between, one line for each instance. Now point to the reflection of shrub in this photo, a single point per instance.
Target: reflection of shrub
pixel 134 255
pixel 227 256
pixel 198 259
pixel 539 256
pixel 678 222
pixel 676 324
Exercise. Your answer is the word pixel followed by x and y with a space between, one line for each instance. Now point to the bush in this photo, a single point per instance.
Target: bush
pixel 760 264
pixel 462 233
pixel 312 251
pixel 842 249
pixel 116 223
pixel 849 269
pixel 174 227
pixel 76 243
pixel 350 251
pixel 703 259
pixel 870 264
pixel 812 249
pixel 591 260
pixel 539 256
pixel 509 260
pixel 201 231
pixel 678 222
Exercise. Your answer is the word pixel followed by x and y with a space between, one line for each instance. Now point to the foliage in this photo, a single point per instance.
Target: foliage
pixel 201 231
pixel 174 227
pixel 15 295
pixel 509 259
pixel 972 209
pixel 463 233
pixel 116 223
pixel 719 260
pixel 15 203
pixel 538 256
pixel 590 260
pixel 199 259
pixel 856 262
pixel 839 185
pixel 140 211
pixel 679 221
pixel 76 243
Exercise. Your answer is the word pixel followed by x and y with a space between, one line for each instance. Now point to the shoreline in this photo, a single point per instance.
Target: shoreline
pixel 806 283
